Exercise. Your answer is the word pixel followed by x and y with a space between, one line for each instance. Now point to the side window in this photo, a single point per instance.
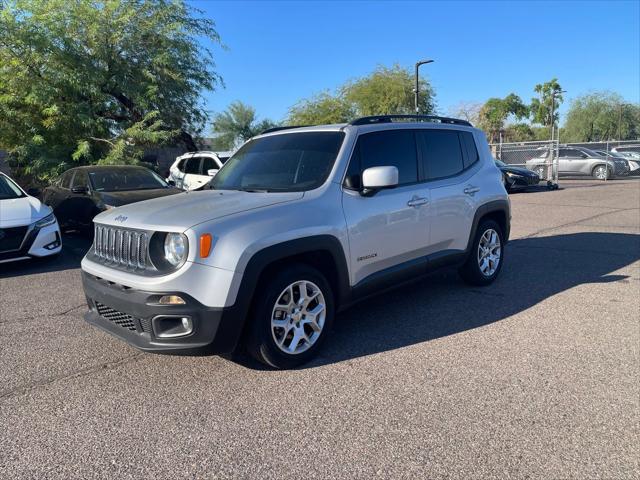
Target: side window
pixel 469 144
pixel 181 164
pixel 442 153
pixel 564 153
pixel 208 163
pixel 65 181
pixel 81 179
pixel 390 147
pixel 192 165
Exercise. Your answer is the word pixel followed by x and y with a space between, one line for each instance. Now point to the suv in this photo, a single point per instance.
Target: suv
pixel 194 170
pixel 299 224
pixel 577 161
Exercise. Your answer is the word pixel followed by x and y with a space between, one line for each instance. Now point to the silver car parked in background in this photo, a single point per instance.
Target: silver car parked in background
pixel 579 161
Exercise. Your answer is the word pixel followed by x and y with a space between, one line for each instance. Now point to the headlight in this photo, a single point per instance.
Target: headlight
pixel 46 221
pixel 513 175
pixel 175 248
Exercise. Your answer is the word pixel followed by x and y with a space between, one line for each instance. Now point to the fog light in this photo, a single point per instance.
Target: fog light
pixel 168 326
pixel 171 300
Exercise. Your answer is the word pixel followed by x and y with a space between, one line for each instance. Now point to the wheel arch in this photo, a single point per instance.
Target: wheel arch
pixel 497 210
pixel 323 252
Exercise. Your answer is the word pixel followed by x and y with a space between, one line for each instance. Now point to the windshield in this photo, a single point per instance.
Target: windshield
pixel 8 189
pixel 121 179
pixel 291 162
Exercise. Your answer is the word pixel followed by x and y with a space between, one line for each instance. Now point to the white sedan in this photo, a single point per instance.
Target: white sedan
pixel 28 228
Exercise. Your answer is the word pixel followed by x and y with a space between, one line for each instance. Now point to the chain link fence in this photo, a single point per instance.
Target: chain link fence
pixel 540 157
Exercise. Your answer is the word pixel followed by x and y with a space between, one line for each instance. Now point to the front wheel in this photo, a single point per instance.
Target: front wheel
pixel 601 172
pixel 486 255
pixel 293 313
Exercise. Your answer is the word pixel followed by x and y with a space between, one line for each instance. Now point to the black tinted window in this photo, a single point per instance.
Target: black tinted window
pixel 442 153
pixel 81 179
pixel 192 165
pixel 389 148
pixel 122 179
pixel 208 163
pixel 469 144
pixel 65 181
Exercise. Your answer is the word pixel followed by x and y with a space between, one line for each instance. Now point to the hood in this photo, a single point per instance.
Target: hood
pixel 21 211
pixel 182 211
pixel 518 171
pixel 117 199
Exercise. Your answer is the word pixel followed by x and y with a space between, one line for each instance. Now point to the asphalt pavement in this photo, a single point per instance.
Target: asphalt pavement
pixel 535 376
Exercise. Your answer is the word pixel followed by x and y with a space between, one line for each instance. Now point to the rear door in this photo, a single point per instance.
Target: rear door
pixel 450 160
pixel 391 227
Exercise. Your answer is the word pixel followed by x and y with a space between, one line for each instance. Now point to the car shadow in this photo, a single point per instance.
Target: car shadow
pixel 74 247
pixel 535 269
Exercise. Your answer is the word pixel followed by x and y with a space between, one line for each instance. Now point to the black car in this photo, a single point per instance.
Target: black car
pixel 516 178
pixel 81 193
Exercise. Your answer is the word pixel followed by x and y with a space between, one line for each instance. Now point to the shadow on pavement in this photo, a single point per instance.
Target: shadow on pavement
pixel 74 246
pixel 535 269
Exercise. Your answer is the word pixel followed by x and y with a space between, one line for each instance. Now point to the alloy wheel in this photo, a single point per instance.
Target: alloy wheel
pixel 298 317
pixel 489 252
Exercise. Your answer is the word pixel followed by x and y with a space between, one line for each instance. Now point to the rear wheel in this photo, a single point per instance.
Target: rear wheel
pixel 541 171
pixel 486 255
pixel 293 313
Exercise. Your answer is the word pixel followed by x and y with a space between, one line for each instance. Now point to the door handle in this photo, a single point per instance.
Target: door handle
pixel 471 190
pixel 417 201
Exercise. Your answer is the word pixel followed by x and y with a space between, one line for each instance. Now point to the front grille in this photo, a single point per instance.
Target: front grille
pixel 124 320
pixel 11 238
pixel 120 247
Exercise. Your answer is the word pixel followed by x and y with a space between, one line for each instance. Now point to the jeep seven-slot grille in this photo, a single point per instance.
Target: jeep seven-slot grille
pixel 120 247
pixel 124 320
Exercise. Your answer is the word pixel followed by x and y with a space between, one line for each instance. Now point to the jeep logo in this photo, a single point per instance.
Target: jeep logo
pixel 120 218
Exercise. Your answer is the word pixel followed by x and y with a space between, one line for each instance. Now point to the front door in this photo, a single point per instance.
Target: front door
pixel 391 227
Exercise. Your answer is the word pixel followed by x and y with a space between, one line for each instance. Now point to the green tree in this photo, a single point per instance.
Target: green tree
pixel 542 106
pixel 601 116
pixel 389 91
pixel 321 109
pixel 236 125
pixel 384 91
pixel 99 81
pixel 495 112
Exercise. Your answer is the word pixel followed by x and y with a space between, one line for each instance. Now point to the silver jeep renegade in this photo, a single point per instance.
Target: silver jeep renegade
pixel 298 224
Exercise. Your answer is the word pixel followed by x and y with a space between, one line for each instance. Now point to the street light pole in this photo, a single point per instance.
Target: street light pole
pixel 554 166
pixel 422 62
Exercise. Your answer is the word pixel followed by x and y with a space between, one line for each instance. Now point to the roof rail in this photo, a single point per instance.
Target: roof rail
pixel 277 129
pixel 424 118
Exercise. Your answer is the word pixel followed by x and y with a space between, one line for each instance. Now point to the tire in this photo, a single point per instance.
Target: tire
pixel 471 272
pixel 302 337
pixel 541 171
pixel 601 172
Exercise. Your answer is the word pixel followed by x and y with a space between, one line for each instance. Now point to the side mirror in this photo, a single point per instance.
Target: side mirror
pixel 378 178
pixel 212 172
pixel 80 190
pixel 34 192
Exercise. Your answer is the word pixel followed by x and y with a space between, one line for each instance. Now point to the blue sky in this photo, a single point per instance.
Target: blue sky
pixel 280 52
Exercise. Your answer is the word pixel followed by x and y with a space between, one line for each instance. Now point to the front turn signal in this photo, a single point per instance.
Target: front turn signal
pixel 205 245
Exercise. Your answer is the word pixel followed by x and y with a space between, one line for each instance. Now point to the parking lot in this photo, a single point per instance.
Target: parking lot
pixel 537 375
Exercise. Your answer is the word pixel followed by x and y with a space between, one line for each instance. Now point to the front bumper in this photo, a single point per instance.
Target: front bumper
pixel 131 313
pixel 37 242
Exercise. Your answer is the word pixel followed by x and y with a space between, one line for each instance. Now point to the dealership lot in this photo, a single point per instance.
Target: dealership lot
pixel 537 375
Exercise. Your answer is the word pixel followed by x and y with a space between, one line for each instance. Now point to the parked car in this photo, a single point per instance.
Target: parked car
pixel 517 178
pixel 194 170
pixel 623 149
pixel 81 193
pixel 28 228
pixel 579 161
pixel 632 158
pixel 298 224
